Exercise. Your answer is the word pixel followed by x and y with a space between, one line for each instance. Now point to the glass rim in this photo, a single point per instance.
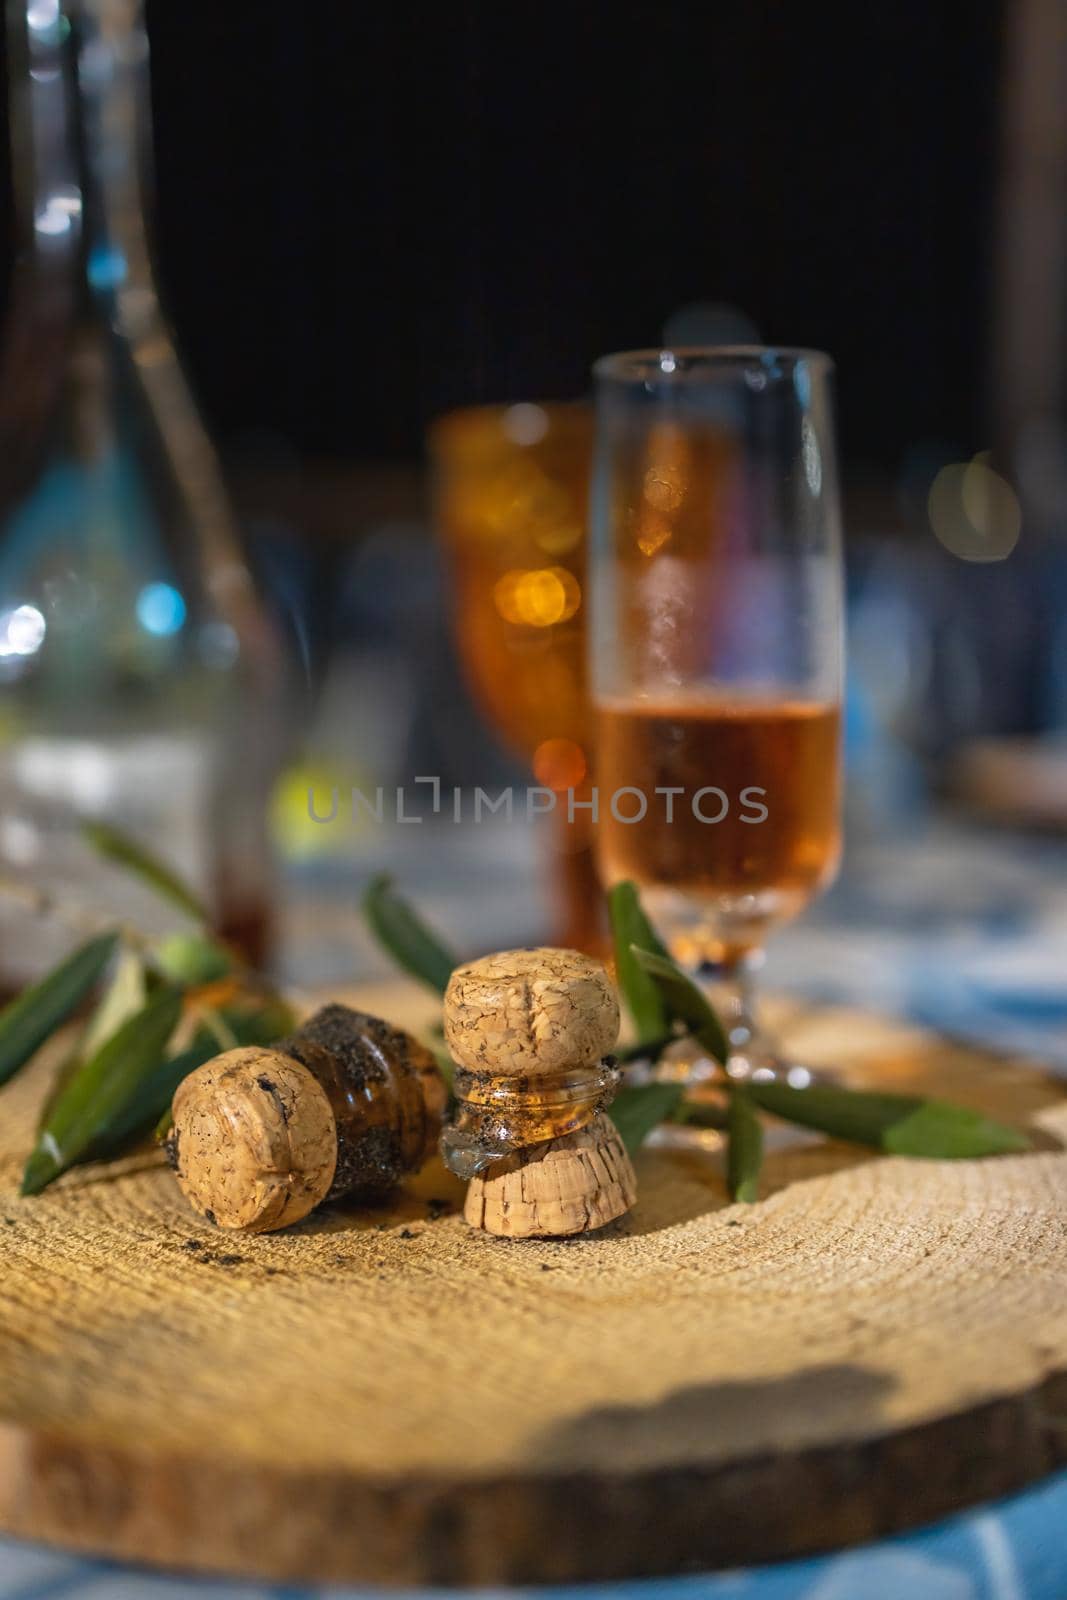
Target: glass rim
pixel 672 364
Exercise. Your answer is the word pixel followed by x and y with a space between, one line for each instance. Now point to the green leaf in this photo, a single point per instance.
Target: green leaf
pixel 402 933
pixel 630 927
pixel 636 1110
pixel 951 1132
pixel 148 1103
pixel 744 1150
pixel 685 1002
pixel 28 1021
pixel 703 1114
pixel 258 1022
pixel 124 996
pixel 191 958
pixel 851 1114
pixel 99 1095
pixel 902 1124
pixel 117 846
pixel 262 1023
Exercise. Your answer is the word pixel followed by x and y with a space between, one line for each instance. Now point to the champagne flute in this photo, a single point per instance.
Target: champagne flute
pixel 717 654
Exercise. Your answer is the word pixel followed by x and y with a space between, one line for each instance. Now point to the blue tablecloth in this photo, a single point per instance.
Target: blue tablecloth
pixel 1013 1550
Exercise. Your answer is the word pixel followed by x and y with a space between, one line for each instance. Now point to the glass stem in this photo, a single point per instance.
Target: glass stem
pixel 738 975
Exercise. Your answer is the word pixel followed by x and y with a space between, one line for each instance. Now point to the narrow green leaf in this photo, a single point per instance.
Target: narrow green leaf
pixel 28 1021
pixel 149 1104
pixel 256 1024
pixel 151 1100
pixel 902 1124
pixel 71 1063
pixel 102 1090
pixel 117 846
pixel 685 1002
pixel 402 933
pixel 124 995
pixel 851 1114
pixel 123 998
pixel 191 958
pixel 636 1110
pixel 744 1150
pixel 703 1114
pixel 630 927
pixel 951 1132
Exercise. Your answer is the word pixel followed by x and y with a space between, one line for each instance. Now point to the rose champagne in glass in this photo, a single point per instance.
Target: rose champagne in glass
pixel 717 651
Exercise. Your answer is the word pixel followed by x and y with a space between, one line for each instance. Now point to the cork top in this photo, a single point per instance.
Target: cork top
pixel 529 1012
pixel 254 1143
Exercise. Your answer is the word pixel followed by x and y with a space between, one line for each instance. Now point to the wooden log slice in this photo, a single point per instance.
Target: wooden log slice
pixel 392 1396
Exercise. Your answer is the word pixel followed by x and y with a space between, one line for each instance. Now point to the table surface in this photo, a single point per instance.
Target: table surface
pixel 958 930
pixel 1013 1550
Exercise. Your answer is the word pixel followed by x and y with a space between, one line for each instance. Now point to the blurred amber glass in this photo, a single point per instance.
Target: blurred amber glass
pixel 511 495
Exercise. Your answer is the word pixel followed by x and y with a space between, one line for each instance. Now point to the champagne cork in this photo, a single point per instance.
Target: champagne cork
pixel 525 1012
pixel 347 1105
pixel 564 1186
pixel 529 1030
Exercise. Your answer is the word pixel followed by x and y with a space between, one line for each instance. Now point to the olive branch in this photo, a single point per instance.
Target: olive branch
pixel 665 1006
pixel 162 1007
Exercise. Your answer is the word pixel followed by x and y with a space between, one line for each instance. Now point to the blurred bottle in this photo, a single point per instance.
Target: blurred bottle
pixel 140 682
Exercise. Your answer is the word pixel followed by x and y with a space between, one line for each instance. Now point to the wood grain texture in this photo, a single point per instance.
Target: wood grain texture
pixel 393 1396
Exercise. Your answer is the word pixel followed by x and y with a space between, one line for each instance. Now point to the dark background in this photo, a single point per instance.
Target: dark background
pixel 369 213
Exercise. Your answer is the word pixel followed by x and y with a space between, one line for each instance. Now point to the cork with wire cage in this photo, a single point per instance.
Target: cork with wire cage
pixel 530 1032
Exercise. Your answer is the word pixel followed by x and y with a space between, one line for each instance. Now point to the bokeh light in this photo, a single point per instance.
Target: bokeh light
pixel 106 267
pixel 56 216
pixel 219 645
pixel 313 786
pixel 42 15
pixel 22 631
pixel 525 424
pixel 537 598
pixel 974 512
pixel 559 764
pixel 160 609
